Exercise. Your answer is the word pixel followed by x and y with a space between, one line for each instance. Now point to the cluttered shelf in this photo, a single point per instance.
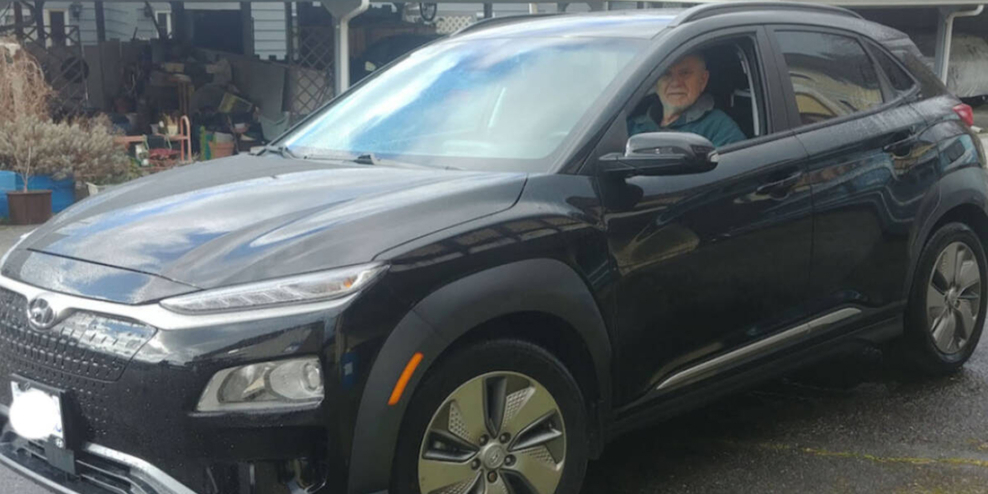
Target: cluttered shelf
pixel 183 136
pixel 187 104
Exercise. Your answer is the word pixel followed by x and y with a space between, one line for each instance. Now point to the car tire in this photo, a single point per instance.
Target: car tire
pixel 946 312
pixel 443 446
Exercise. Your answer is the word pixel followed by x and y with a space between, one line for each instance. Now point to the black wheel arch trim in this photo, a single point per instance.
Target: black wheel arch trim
pixel 441 318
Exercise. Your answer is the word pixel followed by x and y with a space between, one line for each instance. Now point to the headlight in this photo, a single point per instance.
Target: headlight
pixel 267 385
pixel 313 287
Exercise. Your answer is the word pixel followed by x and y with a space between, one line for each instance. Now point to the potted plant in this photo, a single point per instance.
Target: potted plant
pixel 34 146
pixel 22 144
pixel 24 126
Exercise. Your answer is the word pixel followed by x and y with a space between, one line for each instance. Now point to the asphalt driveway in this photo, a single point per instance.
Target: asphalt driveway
pixel 854 424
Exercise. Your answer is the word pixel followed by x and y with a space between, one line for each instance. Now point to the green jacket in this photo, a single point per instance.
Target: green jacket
pixel 701 119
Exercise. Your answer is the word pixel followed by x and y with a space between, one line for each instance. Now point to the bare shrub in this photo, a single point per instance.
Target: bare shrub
pixel 22 145
pixel 32 144
pixel 23 89
pixel 85 148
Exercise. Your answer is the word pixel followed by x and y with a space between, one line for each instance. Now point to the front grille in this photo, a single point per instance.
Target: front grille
pixel 83 355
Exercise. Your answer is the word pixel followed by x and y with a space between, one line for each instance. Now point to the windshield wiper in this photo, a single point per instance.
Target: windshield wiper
pixel 367 159
pixel 282 151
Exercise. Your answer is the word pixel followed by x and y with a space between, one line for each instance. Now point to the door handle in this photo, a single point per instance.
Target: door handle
pixel 902 144
pixel 775 188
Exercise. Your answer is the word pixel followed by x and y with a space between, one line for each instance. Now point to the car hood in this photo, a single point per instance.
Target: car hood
pixel 250 218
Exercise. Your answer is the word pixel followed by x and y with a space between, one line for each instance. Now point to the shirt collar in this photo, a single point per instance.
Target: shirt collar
pixel 696 111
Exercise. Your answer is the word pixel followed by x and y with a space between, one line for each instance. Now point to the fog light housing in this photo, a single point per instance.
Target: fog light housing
pixel 264 386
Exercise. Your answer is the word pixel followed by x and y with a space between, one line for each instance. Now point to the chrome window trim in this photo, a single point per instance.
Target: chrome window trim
pixel 159 317
pixel 702 370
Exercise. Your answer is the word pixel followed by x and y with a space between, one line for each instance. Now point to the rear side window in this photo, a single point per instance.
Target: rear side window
pixel 898 78
pixel 831 75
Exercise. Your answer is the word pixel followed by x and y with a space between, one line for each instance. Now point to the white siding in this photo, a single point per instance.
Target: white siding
pixel 119 21
pixel 212 5
pixel 269 29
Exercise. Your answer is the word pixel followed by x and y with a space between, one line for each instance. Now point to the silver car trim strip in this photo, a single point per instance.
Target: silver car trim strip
pixel 159 317
pixel 152 472
pixel 701 370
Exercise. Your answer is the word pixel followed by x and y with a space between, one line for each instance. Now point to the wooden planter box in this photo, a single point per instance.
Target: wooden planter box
pixel 29 208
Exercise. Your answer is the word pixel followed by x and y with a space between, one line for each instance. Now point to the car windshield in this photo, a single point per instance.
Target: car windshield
pixel 502 104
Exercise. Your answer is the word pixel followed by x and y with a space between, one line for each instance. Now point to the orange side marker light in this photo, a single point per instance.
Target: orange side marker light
pixel 406 376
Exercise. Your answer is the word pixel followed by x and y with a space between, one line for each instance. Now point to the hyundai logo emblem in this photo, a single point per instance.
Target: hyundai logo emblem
pixel 40 314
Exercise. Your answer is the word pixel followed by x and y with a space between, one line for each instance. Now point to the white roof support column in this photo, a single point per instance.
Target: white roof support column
pixel 945 32
pixel 342 11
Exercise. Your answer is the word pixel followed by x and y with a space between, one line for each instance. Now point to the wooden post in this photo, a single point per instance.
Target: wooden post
pixel 247 28
pixel 100 23
pixel 39 20
pixel 19 20
pixel 289 33
pixel 179 25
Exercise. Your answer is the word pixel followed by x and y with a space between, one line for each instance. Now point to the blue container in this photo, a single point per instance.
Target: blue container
pixel 8 181
pixel 62 191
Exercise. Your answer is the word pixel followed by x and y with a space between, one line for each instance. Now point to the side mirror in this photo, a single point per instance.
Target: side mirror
pixel 659 154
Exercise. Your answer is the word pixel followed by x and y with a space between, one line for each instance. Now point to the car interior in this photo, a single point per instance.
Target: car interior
pixel 734 85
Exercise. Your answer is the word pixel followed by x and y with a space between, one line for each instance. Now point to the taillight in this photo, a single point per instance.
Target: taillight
pixel 966 113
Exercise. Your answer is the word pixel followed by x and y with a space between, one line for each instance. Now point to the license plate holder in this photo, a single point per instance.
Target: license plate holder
pixel 59 443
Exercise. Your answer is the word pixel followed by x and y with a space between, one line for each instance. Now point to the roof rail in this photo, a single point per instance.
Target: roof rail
pixel 499 21
pixel 712 9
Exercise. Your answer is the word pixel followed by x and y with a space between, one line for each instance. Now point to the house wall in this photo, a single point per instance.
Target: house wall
pixel 121 19
pixel 125 21
pixel 269 29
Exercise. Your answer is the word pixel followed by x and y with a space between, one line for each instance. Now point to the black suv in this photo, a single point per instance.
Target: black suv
pixel 464 276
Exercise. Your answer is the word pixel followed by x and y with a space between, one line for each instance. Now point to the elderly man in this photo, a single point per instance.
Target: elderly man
pixel 685 107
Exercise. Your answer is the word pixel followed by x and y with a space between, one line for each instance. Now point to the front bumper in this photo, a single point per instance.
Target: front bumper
pixel 133 388
pixel 99 469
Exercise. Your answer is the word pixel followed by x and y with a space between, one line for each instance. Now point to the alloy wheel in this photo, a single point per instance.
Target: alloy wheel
pixel 498 433
pixel 953 298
